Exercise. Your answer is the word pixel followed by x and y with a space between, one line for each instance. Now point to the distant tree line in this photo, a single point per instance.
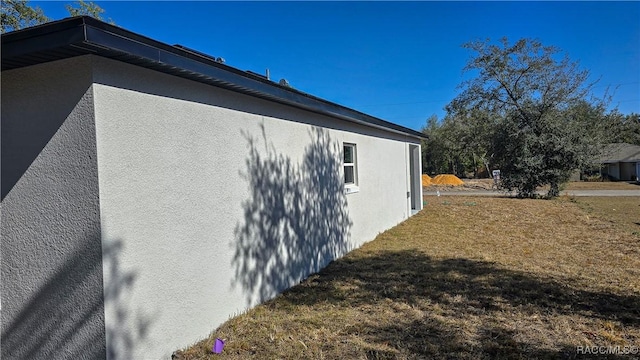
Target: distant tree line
pixel 529 111
pixel 457 147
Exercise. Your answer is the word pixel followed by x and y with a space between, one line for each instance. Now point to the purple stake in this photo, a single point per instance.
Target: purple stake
pixel 218 346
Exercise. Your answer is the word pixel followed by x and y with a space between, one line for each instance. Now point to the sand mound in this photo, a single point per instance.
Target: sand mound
pixel 446 179
pixel 426 180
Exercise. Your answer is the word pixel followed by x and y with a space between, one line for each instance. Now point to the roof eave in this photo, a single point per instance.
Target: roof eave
pixel 84 35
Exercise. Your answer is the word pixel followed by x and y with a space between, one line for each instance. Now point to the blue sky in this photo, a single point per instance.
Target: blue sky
pixel 400 61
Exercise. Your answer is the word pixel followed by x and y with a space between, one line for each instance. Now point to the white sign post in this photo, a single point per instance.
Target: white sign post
pixel 496 177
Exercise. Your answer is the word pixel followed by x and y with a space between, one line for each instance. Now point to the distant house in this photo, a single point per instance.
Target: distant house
pixel 620 161
pixel 150 192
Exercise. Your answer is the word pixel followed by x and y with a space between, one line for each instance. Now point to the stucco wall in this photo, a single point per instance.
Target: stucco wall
pixel 178 203
pixel 219 200
pixel 51 284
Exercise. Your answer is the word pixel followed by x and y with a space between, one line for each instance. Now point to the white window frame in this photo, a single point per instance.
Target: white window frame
pixel 350 187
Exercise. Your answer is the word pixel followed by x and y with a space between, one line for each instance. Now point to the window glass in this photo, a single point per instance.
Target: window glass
pixel 350 165
pixel 348 175
pixel 348 154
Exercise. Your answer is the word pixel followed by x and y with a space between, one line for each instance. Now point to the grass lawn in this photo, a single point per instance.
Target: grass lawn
pixel 604 185
pixel 487 184
pixel 466 278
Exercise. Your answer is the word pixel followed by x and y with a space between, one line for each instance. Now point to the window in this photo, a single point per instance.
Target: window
pixel 350 167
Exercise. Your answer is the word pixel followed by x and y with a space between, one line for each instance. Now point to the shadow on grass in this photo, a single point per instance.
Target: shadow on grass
pixel 448 292
pixel 296 220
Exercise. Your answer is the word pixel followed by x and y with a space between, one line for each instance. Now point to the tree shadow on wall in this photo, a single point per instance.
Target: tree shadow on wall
pixel 296 220
pixel 121 339
pixel 64 319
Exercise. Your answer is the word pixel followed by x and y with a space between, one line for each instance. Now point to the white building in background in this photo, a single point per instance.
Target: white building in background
pixel 150 192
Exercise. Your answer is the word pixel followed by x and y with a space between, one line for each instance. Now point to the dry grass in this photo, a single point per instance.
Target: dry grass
pixel 604 185
pixel 623 212
pixel 466 278
pixel 574 185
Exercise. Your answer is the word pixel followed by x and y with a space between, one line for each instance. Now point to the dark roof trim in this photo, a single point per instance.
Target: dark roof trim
pixel 84 35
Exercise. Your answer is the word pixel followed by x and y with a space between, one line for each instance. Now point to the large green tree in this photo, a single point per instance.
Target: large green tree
pixel 525 100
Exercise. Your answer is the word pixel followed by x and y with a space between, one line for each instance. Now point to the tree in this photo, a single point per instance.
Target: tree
pixel 625 128
pixel 631 129
pixel 83 8
pixel 455 145
pixel 431 149
pixel 442 153
pixel 473 133
pixel 527 96
pixel 17 14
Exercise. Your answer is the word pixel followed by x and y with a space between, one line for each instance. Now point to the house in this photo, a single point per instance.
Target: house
pixel 150 192
pixel 620 161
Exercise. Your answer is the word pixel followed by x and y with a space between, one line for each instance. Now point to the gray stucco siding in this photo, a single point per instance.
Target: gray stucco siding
pixel 51 285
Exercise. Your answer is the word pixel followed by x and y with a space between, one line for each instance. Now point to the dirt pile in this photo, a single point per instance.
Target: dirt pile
pixel 446 179
pixel 426 180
